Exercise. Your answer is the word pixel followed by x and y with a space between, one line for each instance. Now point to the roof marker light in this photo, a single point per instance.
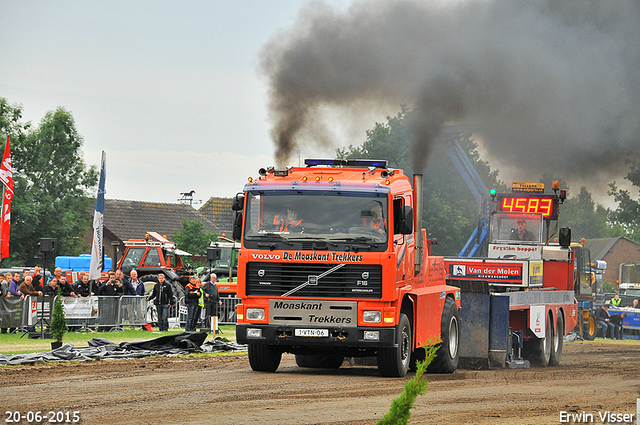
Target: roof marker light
pixel 317 178
pixel 304 178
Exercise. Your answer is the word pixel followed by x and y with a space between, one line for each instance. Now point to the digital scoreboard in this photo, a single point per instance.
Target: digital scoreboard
pixel 547 205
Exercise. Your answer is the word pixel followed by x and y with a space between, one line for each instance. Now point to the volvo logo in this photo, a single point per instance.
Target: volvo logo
pixel 261 273
pixel 365 275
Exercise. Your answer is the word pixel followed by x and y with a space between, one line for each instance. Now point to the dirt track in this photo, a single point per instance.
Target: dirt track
pixel 594 377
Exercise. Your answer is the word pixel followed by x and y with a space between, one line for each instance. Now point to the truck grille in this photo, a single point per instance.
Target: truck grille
pixel 348 281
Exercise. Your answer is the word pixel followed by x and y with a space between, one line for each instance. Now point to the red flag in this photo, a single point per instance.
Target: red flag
pixel 6 176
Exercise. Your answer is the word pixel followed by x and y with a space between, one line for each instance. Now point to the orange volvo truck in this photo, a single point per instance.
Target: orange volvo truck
pixel 334 263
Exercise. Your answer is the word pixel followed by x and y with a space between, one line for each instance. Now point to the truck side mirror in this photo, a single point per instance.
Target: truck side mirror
pixel 405 224
pixel 237 226
pixel 238 202
pixel 564 236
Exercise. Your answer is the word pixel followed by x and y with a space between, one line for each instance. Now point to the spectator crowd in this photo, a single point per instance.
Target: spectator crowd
pixel 33 283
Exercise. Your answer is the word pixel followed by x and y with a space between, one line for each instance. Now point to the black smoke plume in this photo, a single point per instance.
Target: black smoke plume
pixel 548 84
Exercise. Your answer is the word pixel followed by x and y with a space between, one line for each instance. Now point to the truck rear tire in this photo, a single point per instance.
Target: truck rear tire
pixel 320 362
pixel 448 355
pixel 264 358
pixel 558 340
pixel 538 350
pixel 589 328
pixel 394 361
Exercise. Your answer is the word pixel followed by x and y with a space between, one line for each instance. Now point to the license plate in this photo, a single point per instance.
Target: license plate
pixel 312 332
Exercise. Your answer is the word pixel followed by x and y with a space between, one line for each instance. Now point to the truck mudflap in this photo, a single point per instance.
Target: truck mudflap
pixel 319 336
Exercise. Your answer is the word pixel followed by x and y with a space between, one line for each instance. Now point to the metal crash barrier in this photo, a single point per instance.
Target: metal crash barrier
pixel 99 312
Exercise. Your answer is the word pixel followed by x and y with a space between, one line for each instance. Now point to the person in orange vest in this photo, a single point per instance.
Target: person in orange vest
pixel 291 224
pixel 373 218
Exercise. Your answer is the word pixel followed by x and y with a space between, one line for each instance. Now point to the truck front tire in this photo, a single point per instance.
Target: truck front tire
pixel 264 358
pixel 448 354
pixel 394 361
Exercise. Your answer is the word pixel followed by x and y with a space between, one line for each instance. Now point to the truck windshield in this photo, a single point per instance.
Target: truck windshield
pixel 516 228
pixel 317 215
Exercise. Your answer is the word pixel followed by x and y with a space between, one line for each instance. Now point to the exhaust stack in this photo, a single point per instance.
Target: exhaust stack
pixel 417 220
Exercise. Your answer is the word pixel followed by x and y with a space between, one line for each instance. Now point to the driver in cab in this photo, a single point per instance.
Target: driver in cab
pixel 290 224
pixel 521 233
pixel 373 218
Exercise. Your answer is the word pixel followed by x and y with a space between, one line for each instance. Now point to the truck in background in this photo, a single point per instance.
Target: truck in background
pixel 521 296
pixel 587 285
pixel 226 267
pixel 334 262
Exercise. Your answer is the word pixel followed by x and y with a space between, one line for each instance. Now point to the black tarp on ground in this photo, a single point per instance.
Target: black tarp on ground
pixel 100 348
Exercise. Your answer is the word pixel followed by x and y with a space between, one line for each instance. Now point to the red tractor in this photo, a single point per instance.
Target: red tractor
pixel 156 254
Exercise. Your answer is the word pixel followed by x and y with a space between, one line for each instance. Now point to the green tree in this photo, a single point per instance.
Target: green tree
pixel 58 319
pixel 450 212
pixel 626 217
pixel 10 121
pixel 586 218
pixel 193 238
pixel 53 187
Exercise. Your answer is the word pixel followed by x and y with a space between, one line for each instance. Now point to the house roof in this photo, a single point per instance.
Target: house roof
pixel 218 211
pixel 600 247
pixel 132 219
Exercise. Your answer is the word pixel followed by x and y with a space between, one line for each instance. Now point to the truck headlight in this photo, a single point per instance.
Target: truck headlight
pixel 372 335
pixel 254 333
pixel 255 313
pixel 371 316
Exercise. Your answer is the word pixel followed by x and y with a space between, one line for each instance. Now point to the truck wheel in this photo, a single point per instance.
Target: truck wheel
pixel 448 355
pixel 264 358
pixel 394 361
pixel 589 328
pixel 538 350
pixel 558 340
pixel 320 362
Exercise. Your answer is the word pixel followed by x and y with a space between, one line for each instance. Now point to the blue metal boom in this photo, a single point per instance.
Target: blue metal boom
pixel 479 190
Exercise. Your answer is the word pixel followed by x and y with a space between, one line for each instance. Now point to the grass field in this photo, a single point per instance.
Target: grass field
pixel 18 343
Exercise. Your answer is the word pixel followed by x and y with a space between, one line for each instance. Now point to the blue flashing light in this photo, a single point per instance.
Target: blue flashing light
pixel 377 163
pixel 313 162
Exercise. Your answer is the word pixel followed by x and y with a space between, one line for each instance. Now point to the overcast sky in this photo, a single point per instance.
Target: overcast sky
pixel 170 90
pixel 173 93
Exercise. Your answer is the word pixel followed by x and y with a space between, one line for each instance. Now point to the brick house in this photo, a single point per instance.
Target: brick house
pixel 614 251
pixel 124 220
pixel 218 211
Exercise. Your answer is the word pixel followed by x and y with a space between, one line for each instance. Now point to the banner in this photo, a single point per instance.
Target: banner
pixel 80 308
pixel 10 312
pixel 6 176
pixel 97 254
